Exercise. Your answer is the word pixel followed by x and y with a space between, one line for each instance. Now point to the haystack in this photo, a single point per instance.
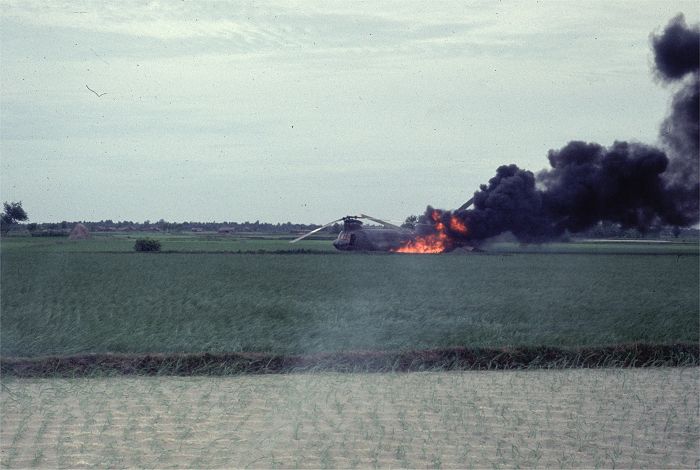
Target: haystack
pixel 79 232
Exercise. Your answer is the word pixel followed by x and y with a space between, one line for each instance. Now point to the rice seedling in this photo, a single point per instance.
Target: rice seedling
pixel 60 300
pixel 91 302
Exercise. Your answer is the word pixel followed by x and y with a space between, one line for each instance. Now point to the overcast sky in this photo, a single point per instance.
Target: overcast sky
pixel 310 111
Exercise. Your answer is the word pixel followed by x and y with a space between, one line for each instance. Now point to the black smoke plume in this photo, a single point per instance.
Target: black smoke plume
pixel 634 185
pixel 677 59
pixel 676 50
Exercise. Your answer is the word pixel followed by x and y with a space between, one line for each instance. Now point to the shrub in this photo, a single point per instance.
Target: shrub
pixel 147 244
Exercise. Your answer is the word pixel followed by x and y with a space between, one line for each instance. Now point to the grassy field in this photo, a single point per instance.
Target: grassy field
pixel 181 243
pixel 61 297
pixel 610 418
pixel 254 243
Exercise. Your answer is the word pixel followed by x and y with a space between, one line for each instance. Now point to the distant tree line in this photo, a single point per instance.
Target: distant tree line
pixel 175 227
pixel 13 214
pixel 615 231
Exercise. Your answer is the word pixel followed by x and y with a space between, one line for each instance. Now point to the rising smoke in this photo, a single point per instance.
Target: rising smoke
pixel 634 185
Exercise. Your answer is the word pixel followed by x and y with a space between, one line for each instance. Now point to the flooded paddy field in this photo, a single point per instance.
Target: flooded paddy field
pixel 546 418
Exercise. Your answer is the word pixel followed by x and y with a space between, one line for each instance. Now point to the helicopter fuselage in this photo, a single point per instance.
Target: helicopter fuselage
pixel 372 239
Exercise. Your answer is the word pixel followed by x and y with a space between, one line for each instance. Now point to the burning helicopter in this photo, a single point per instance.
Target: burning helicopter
pixel 425 238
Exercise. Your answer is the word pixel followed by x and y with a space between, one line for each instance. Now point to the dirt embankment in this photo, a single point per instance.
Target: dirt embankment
pixel 631 355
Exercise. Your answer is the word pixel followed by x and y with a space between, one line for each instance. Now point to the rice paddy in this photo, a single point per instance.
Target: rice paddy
pixel 272 309
pixel 609 418
pixel 58 302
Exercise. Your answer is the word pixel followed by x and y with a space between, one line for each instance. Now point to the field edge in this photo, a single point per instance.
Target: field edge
pixel 460 358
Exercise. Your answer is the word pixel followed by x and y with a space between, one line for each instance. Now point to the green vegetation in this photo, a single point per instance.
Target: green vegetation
pixel 103 243
pixel 11 214
pixel 146 244
pixel 611 418
pixel 61 297
pixel 600 247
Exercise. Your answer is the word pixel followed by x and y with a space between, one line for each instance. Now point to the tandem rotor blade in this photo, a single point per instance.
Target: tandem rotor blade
pixel 314 231
pixel 465 205
pixel 379 221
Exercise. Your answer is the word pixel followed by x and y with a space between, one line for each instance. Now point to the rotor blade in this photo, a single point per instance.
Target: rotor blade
pixel 465 205
pixel 314 231
pixel 379 221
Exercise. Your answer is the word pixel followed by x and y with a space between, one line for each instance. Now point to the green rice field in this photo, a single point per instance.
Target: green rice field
pixel 62 297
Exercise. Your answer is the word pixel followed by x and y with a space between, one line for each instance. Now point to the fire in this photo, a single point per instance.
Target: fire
pixel 458 226
pixel 437 242
pixel 429 244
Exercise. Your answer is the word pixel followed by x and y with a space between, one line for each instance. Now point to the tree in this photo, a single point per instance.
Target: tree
pixel 11 214
pixel 410 222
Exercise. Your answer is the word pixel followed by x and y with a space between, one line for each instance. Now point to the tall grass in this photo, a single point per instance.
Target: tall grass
pixel 57 302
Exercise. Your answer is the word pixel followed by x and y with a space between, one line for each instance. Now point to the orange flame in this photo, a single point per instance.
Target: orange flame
pixel 437 242
pixel 458 226
pixel 429 244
